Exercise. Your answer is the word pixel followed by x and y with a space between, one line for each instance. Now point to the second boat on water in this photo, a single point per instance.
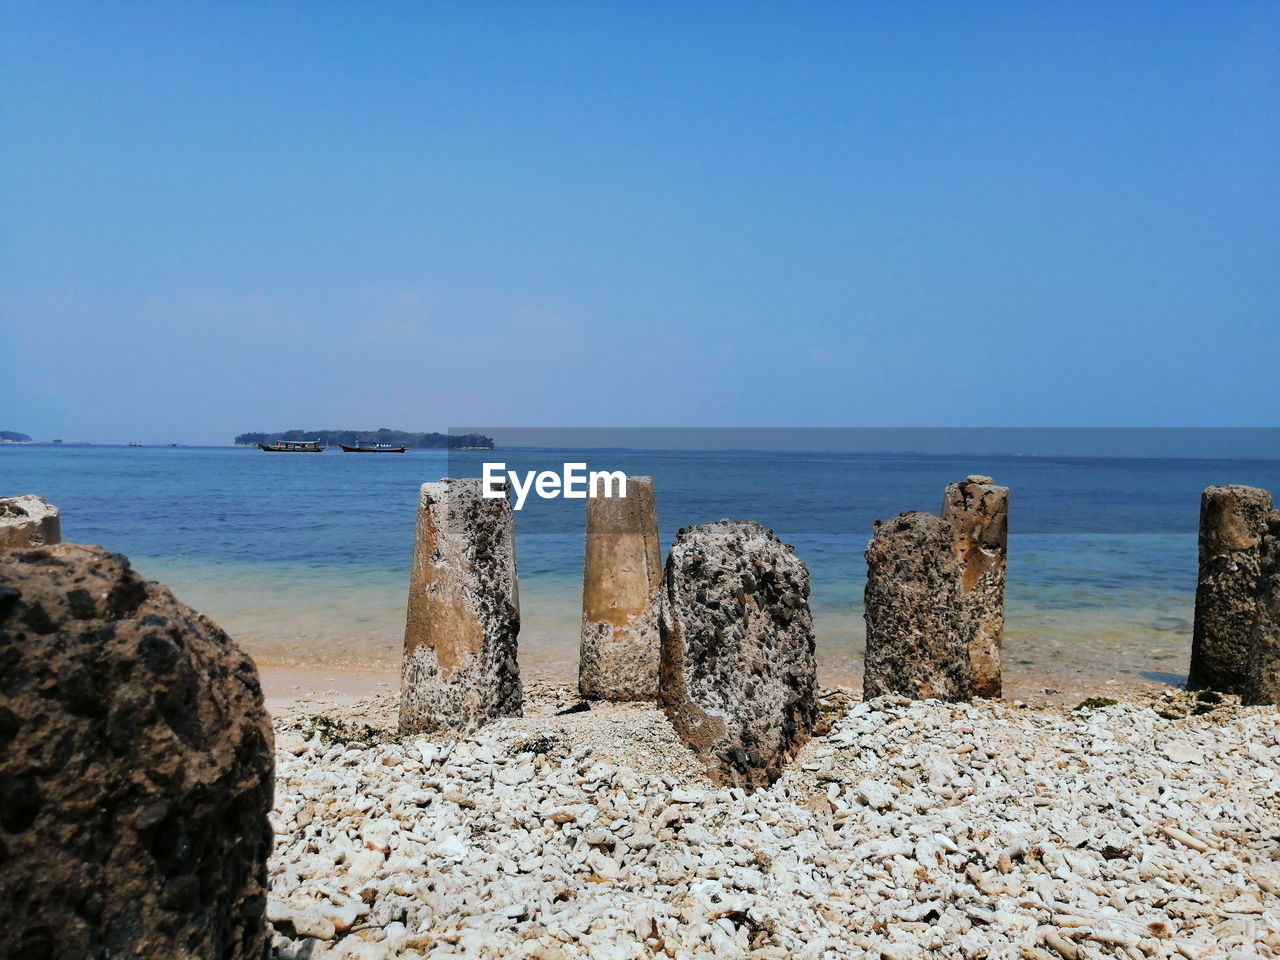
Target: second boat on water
pixel 292 446
pixel 372 448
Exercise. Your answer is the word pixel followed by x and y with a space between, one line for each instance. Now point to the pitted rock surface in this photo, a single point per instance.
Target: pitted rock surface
pixel 917 626
pixel 1262 681
pixel 738 672
pixel 1233 521
pixel 136 768
pixel 978 511
pixel 621 573
pixel 460 670
pixel 28 521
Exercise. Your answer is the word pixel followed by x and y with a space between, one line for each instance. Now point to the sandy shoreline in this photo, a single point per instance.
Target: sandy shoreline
pixel 288 685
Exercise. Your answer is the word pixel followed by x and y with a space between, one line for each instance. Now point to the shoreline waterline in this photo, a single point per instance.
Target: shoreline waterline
pixel 289 686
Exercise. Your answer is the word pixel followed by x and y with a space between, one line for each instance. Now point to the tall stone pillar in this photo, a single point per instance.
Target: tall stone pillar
pixel 460 669
pixel 1233 521
pixel 621 572
pixel 738 675
pixel 978 511
pixel 28 521
pixel 1262 675
pixel 917 625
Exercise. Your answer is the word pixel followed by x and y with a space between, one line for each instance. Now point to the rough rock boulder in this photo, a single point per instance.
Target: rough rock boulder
pixel 738 674
pixel 136 768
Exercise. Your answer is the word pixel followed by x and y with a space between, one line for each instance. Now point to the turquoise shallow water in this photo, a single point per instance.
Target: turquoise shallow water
pixel 305 558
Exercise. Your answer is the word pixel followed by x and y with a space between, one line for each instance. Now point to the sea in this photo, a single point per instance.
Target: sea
pixel 304 558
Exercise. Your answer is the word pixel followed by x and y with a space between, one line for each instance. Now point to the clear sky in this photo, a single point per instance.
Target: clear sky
pixel 254 216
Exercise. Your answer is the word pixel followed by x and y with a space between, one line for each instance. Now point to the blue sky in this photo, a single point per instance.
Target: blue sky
pixel 237 216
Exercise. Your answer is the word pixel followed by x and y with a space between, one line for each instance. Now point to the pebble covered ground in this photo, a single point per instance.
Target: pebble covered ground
pixel 926 829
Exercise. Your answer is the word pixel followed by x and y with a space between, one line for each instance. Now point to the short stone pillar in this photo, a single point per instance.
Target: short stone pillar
pixel 621 571
pixel 1262 674
pixel 917 623
pixel 1233 520
pixel 738 674
pixel 28 521
pixel 978 511
pixel 460 669
pixel 136 768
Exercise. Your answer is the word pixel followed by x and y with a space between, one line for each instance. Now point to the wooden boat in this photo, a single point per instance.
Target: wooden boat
pixel 292 446
pixel 372 448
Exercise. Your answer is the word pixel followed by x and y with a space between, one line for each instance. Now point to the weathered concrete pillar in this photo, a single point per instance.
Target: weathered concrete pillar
pixel 738 676
pixel 917 626
pixel 978 511
pixel 1233 521
pixel 136 768
pixel 28 521
pixel 621 572
pixel 1262 679
pixel 460 669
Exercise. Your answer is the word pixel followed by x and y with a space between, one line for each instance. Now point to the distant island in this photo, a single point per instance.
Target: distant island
pixel 418 441
pixel 14 436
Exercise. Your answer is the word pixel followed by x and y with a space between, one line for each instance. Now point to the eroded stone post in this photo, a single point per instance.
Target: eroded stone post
pixel 738 673
pixel 1262 676
pixel 1233 520
pixel 460 669
pixel 28 521
pixel 978 511
pixel 621 572
pixel 917 626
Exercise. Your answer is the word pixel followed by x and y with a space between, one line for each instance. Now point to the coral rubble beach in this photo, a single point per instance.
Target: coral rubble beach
pixel 745 820
pixel 904 829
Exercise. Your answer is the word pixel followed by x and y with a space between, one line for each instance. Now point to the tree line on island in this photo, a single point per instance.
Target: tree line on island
pixel 15 436
pixel 403 438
